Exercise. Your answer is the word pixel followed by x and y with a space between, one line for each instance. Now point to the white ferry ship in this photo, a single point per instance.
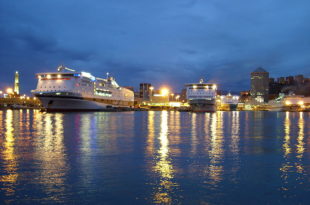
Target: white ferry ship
pixel 201 96
pixel 229 102
pixel 68 90
pixel 289 103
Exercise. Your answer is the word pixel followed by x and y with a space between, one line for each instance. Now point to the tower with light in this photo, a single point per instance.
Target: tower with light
pixel 16 83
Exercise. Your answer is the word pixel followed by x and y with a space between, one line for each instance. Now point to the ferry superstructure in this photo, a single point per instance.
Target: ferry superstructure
pixel 201 96
pixel 229 102
pixel 68 89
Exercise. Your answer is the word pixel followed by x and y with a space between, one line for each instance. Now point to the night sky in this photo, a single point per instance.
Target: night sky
pixel 164 42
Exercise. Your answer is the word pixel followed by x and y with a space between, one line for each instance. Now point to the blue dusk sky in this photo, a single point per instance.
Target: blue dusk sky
pixel 164 42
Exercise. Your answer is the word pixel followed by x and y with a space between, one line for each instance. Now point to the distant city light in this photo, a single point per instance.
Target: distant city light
pixel 9 91
pixel 49 76
pixel 300 103
pixel 164 91
pixel 174 104
pixel 288 102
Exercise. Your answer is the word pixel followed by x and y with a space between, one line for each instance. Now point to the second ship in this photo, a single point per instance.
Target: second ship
pixel 69 90
pixel 201 96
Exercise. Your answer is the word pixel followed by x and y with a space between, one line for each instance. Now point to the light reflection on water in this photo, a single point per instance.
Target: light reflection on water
pixel 8 155
pixel 163 165
pixel 50 154
pixel 216 152
pixel 154 157
pixel 292 168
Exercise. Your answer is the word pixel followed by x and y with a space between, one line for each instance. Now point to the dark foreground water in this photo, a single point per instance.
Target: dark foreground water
pixel 154 157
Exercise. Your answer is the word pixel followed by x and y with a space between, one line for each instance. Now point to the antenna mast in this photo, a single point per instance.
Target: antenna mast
pixel 62 67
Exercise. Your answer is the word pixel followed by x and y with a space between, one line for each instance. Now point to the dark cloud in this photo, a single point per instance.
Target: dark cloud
pixel 163 42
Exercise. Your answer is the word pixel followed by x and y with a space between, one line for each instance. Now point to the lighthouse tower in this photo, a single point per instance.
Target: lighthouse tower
pixel 16 83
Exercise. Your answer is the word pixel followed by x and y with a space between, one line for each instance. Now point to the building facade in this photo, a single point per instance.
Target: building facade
pixel 145 91
pixel 260 85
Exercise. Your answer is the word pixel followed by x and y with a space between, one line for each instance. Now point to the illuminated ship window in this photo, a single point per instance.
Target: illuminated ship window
pixel 104 93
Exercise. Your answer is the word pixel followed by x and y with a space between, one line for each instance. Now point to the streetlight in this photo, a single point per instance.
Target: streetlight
pixel 301 103
pixel 172 96
pixel 164 91
pixel 151 94
pixel 288 102
pixel 9 91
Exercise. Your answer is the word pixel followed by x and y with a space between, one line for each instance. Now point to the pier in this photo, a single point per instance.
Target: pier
pixel 19 102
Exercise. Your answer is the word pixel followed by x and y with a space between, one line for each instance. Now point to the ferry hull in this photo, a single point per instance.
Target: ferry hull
pixel 202 105
pixel 74 104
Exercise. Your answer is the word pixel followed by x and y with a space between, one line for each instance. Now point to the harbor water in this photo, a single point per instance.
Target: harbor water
pixel 163 157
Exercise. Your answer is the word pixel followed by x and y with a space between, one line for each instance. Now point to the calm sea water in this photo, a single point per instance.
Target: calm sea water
pixel 154 157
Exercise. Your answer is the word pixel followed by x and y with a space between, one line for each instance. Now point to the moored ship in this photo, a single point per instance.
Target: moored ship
pixel 201 96
pixel 69 90
pixel 229 102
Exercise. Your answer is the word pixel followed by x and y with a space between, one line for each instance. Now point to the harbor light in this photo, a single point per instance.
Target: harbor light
pixel 58 76
pixel 164 91
pixel 301 103
pixel 49 76
pixel 214 87
pixel 288 102
pixel 236 97
pixel 9 91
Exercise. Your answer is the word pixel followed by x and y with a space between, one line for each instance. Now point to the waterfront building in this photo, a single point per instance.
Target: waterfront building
pixel 298 85
pixel 290 80
pixel 159 100
pixel 260 85
pixel 145 91
pixel 281 80
pixel 16 83
pixel 183 95
pixel 299 79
